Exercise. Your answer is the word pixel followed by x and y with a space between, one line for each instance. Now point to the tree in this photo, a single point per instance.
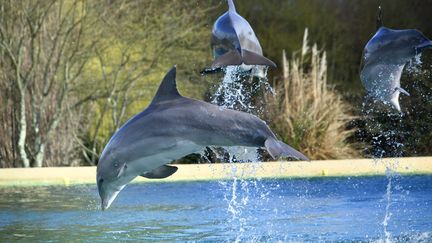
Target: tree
pixel 44 55
pixel 74 71
pixel 141 41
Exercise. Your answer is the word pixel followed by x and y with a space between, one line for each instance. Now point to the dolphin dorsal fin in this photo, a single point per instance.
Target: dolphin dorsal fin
pixel 379 21
pixel 168 87
pixel 231 6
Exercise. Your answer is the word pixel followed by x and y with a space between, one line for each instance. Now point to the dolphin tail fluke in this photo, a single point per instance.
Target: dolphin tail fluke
pixel 233 58
pixel 279 149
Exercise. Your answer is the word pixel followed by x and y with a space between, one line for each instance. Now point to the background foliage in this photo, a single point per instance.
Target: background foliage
pixel 87 66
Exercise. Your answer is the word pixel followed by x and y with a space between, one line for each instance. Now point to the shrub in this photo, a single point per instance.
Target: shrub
pixel 305 112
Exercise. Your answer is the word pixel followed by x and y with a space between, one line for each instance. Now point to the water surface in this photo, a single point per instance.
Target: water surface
pixel 324 209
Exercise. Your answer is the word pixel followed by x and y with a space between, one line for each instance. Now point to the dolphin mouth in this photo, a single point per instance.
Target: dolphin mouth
pixel 107 201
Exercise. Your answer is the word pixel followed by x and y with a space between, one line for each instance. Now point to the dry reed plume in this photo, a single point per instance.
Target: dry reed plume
pixel 305 111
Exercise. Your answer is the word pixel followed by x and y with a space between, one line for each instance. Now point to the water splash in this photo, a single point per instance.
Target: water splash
pixel 387 138
pixel 415 64
pixel 239 189
pixel 388 214
pixel 238 89
pixel 390 135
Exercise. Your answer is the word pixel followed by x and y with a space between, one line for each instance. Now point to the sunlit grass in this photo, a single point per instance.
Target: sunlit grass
pixel 305 111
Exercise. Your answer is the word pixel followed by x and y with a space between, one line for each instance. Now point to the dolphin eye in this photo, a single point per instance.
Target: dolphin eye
pixel 101 180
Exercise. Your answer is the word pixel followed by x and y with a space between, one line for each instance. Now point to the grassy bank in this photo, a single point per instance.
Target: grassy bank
pixel 355 167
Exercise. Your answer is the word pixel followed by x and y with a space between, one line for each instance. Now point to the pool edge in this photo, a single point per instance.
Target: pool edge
pixel 204 172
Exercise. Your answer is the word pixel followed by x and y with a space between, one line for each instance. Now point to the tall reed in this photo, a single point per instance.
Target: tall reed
pixel 305 111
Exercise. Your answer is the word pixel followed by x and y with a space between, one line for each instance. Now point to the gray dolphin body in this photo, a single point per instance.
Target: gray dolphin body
pixel 171 127
pixel 384 59
pixel 234 42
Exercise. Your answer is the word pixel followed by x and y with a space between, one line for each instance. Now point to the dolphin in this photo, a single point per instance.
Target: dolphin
pixel 234 43
pixel 384 58
pixel 171 127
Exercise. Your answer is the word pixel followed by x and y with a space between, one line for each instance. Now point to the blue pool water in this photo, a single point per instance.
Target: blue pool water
pixel 368 209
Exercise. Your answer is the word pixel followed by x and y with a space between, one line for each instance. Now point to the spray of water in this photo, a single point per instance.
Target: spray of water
pixel 386 142
pixel 388 214
pixel 238 88
pixel 388 133
pixel 237 91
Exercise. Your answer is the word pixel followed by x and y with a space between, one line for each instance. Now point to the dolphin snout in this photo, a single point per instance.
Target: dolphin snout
pixel 104 205
pixel 107 192
pixel 107 199
pixel 104 195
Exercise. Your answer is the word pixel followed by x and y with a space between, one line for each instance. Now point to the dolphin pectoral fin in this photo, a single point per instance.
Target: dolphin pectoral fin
pixel 402 91
pixel 161 172
pixel 233 58
pixel 278 149
pixel 421 47
pixel 230 58
pixel 252 58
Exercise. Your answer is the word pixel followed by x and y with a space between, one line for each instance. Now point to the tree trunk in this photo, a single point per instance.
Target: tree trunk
pixel 40 156
pixel 23 133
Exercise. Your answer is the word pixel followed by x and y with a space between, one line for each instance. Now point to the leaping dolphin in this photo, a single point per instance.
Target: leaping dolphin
pixel 234 43
pixel 384 58
pixel 171 127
